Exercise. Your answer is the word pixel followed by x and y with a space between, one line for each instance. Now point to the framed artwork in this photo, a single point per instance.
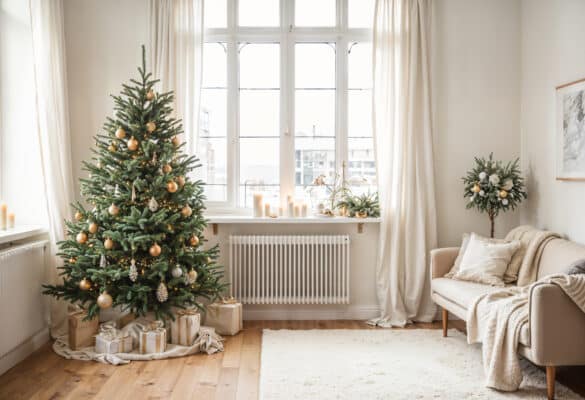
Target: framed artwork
pixel 571 131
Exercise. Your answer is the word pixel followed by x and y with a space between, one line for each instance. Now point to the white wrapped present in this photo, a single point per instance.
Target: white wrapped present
pixel 152 338
pixel 111 340
pixel 225 316
pixel 185 327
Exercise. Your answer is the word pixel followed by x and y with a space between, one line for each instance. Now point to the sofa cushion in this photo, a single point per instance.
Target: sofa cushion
pixel 460 292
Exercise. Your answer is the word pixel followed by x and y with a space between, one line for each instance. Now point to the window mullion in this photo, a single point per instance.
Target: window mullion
pixel 233 159
pixel 287 148
pixel 341 142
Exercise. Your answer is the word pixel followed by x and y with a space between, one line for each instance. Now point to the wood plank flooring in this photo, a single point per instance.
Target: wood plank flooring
pixel 233 374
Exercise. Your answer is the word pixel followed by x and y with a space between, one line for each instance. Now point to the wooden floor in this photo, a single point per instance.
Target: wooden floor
pixel 232 374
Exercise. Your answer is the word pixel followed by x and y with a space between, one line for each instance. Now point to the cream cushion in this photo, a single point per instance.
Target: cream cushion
pixel 464 242
pixel 485 261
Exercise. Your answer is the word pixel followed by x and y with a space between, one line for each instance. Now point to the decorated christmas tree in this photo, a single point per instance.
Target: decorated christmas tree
pixel 139 243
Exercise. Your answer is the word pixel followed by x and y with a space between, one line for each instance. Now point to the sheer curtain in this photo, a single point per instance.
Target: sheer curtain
pixel 404 159
pixel 52 123
pixel 176 52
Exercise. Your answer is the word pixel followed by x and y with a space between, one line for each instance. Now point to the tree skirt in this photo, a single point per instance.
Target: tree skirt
pixel 206 342
pixel 382 364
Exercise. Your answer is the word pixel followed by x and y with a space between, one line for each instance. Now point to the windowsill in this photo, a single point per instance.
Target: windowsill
pixel 248 219
pixel 20 232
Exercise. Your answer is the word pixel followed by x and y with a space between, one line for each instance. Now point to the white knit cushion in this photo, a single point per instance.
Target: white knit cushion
pixel 464 242
pixel 485 261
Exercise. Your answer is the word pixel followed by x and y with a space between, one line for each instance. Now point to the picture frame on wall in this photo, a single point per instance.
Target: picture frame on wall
pixel 570 127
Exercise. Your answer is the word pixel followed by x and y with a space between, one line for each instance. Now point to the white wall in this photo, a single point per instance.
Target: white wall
pixel 552 54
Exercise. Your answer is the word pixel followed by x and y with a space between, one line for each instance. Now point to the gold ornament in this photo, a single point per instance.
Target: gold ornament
pixel 172 187
pixel 132 144
pixel 150 127
pixel 104 300
pixel 108 244
pixel 72 260
pixel 113 209
pixel 150 95
pixel 84 284
pixel 155 250
pixel 192 276
pixel 81 237
pixel 181 181
pixel 503 194
pixel 167 168
pixel 78 216
pixel 93 227
pixel 476 188
pixel 194 241
pixel 176 141
pixel 120 133
pixel 186 211
pixel 111 148
pixel 162 293
pixel 209 260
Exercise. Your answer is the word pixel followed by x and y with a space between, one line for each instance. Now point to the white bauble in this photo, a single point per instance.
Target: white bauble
pixel 471 199
pixel 481 193
pixel 177 272
pixel 508 185
pixel 482 176
pixel 505 202
pixel 494 179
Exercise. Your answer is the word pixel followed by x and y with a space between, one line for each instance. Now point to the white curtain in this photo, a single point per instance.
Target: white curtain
pixel 176 52
pixel 404 159
pixel 52 122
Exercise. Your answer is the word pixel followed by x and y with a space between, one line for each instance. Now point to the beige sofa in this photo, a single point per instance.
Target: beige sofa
pixel 556 332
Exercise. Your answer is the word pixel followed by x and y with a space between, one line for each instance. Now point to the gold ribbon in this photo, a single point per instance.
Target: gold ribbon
pixel 188 311
pixel 228 300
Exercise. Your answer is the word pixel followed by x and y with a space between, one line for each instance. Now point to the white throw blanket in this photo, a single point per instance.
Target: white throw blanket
pixel 496 320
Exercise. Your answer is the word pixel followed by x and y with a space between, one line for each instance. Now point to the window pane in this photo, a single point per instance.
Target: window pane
pixel 259 13
pixel 259 113
pixel 361 167
pixel 315 12
pixel 215 15
pixel 213 117
pixel 212 152
pixel 313 157
pixel 360 13
pixel 259 65
pixel 259 173
pixel 315 113
pixel 359 61
pixel 214 65
pixel 314 65
pixel 359 114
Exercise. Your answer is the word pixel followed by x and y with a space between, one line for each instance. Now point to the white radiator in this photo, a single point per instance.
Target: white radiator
pixel 290 269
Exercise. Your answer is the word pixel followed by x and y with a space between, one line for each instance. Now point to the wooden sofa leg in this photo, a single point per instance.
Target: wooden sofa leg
pixel 550 382
pixel 445 322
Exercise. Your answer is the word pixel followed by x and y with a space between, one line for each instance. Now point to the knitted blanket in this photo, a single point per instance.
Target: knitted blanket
pixel 496 320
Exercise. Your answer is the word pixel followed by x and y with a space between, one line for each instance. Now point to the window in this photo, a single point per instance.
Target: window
pixel 286 97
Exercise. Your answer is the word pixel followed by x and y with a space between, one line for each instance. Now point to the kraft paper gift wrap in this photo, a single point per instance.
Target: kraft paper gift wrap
pixel 152 338
pixel 81 333
pixel 185 327
pixel 111 340
pixel 225 316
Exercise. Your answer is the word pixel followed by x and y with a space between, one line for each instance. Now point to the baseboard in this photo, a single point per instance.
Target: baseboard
pixel 23 350
pixel 280 313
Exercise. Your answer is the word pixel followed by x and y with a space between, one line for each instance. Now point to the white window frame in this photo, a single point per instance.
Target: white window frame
pixel 287 34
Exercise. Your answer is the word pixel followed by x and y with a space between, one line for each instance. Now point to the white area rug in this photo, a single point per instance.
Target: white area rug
pixel 382 364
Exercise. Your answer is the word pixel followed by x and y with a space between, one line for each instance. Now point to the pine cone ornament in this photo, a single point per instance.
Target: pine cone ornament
pixel 133 274
pixel 162 293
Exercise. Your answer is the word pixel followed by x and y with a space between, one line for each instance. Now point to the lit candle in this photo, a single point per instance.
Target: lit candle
pixel 291 209
pixel 258 204
pixel 304 210
pixel 11 220
pixel 267 210
pixel 297 211
pixel 3 211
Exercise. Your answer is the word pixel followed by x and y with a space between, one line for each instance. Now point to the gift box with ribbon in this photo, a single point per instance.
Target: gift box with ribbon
pixel 111 340
pixel 185 327
pixel 225 316
pixel 81 333
pixel 152 337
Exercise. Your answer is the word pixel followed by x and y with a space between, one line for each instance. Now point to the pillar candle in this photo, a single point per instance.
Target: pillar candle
pixel 297 211
pixel 266 210
pixel 3 211
pixel 280 211
pixel 291 209
pixel 304 210
pixel 258 204
pixel 11 220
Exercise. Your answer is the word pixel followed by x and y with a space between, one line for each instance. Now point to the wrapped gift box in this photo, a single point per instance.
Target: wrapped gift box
pixel 185 327
pixel 152 338
pixel 225 316
pixel 81 333
pixel 111 340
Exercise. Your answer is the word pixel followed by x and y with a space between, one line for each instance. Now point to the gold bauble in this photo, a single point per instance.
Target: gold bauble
pixel 172 187
pixel 72 260
pixel 78 216
pixel 155 250
pixel 120 133
pixel 176 141
pixel 81 237
pixel 150 127
pixel 209 260
pixel 181 181
pixel 150 95
pixel 186 211
pixel 104 300
pixel 503 194
pixel 132 144
pixel 192 276
pixel 111 148
pixel 167 168
pixel 93 227
pixel 84 284
pixel 194 240
pixel 108 244
pixel 113 209
pixel 476 188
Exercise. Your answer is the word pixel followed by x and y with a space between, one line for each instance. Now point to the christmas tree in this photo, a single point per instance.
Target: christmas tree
pixel 139 243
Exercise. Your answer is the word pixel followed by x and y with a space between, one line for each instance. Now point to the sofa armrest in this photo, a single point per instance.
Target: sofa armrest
pixel 557 327
pixel 442 260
